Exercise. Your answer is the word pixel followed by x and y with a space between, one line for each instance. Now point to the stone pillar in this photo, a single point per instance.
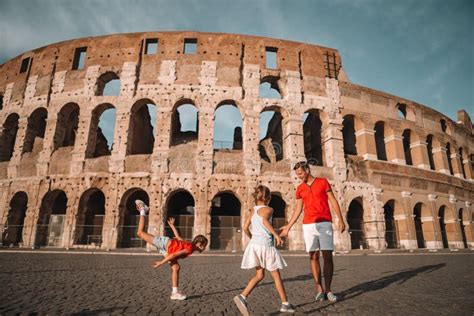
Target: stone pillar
pixel 18 151
pixel 293 141
pixel 161 147
pixel 366 143
pixel 374 226
pixel 111 218
pixel 468 169
pixel 69 225
pixel 44 157
pixel 119 150
pixel 83 138
pixel 205 146
pixel 437 243
pixel 453 228
pixel 410 241
pixel 457 165
pixel 441 160
pixel 469 226
pixel 419 153
pixel 250 137
pixel 394 149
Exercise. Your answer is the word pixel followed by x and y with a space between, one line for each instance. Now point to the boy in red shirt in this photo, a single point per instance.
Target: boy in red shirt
pixel 172 249
pixel 315 194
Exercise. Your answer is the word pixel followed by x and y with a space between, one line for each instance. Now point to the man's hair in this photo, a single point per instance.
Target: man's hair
pixel 200 239
pixel 301 164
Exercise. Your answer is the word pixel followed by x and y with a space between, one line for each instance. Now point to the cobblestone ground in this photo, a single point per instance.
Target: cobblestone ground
pixel 112 284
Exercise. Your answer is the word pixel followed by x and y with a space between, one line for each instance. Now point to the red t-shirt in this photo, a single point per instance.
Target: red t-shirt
pixel 176 245
pixel 315 200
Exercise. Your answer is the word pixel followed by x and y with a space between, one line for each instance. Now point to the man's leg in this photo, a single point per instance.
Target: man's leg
pixel 316 270
pixel 328 269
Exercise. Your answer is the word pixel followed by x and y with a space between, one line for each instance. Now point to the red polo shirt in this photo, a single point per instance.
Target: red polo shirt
pixel 176 245
pixel 315 200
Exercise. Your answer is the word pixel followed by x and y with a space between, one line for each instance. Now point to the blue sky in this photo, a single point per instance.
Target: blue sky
pixel 422 50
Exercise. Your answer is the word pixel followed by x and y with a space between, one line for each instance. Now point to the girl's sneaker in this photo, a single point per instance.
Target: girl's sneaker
pixel 141 206
pixel 287 308
pixel 241 304
pixel 178 296
pixel 331 297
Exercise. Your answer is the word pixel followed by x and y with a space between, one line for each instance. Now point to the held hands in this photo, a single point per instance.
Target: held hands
pixel 278 240
pixel 341 226
pixel 284 231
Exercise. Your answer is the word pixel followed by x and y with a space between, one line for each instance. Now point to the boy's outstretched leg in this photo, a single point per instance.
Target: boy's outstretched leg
pixel 175 294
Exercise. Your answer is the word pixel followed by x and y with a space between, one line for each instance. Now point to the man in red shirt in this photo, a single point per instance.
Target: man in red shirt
pixel 314 195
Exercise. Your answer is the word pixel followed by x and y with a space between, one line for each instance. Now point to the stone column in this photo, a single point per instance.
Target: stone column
pixel 468 169
pixel 375 227
pixel 293 141
pixel 437 243
pixel 453 228
pixel 469 227
pixel 457 165
pixel 69 225
pixel 205 146
pixel 18 151
pixel 441 160
pixel 410 241
pixel 419 153
pixel 78 155
pixel 119 150
pixel 366 143
pixel 161 147
pixel 394 148
pixel 44 157
pixel 111 218
pixel 250 137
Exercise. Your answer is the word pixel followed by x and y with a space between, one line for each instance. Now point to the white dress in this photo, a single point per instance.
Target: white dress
pixel 261 250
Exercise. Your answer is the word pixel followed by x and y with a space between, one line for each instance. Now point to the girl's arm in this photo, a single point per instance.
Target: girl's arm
pixel 175 231
pixel 299 208
pixel 247 224
pixel 265 213
pixel 170 258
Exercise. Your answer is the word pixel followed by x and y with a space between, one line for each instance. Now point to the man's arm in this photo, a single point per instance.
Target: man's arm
pixel 175 231
pixel 170 257
pixel 296 214
pixel 335 206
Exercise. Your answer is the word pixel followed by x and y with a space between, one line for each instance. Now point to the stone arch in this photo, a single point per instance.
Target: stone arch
pixel 379 135
pixel 279 206
pixel 394 223
pixel 225 212
pixel 445 127
pixel 141 130
pixel 424 225
pixel 271 144
pixel 35 131
pixel 355 219
pixel 407 141
pixel 97 143
pixel 312 134
pixel 269 88
pixel 348 133
pixel 182 134
pixel 228 123
pixel 180 205
pixel 12 233
pixel 90 218
pixel 129 218
pixel 406 112
pixel 8 137
pixel 108 84
pixel 66 126
pixel 50 225
pixel 429 148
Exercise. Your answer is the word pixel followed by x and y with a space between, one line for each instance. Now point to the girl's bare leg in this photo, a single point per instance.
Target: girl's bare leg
pixel 279 284
pixel 143 235
pixel 259 275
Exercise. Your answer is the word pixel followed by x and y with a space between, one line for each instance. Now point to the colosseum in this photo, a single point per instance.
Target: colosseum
pixel 402 172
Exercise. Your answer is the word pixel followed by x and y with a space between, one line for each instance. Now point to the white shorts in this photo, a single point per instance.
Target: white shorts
pixel 318 236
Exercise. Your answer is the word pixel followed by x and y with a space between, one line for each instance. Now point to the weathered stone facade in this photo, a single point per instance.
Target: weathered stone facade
pixel 403 180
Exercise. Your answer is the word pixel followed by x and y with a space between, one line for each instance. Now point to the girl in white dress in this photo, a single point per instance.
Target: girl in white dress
pixel 261 253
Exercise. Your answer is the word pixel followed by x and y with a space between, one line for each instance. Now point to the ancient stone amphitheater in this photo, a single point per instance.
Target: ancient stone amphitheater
pixel 402 172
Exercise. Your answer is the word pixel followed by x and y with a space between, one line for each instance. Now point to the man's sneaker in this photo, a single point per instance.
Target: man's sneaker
pixel 287 308
pixel 331 297
pixel 178 296
pixel 320 297
pixel 241 304
pixel 141 206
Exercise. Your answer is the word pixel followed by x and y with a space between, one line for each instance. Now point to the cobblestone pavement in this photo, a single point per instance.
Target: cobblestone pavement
pixel 441 283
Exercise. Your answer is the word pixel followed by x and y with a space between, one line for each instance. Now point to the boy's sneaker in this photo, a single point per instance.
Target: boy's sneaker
pixel 320 297
pixel 287 308
pixel 241 304
pixel 141 206
pixel 331 297
pixel 178 296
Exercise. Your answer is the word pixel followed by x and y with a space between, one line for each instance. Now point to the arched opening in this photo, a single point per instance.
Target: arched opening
pixel 228 127
pixel 424 227
pixel 225 222
pixel 355 219
pixel 180 206
pixel 429 146
pixel 271 135
pixel 348 134
pixel 184 123
pixel 66 127
pixel 141 131
pixel 444 127
pixel 442 225
pixel 8 138
pixel 380 141
pixel 269 88
pixel 12 234
pixel 1 101
pixel 35 131
pixel 49 231
pixel 279 214
pixel 392 237
pixel 448 153
pixel 463 221
pixel 129 218
pixel 406 146
pixel 108 84
pixel 90 218
pixel 102 130
pixel 405 112
pixel 312 128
